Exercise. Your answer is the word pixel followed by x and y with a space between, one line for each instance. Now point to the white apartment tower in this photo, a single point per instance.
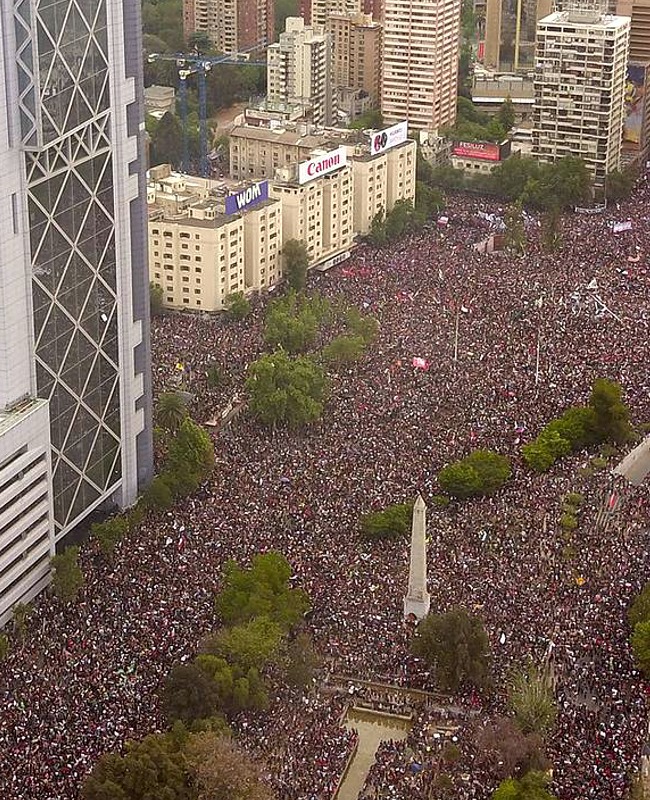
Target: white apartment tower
pixel 580 75
pixel 75 391
pixel 300 71
pixel 420 62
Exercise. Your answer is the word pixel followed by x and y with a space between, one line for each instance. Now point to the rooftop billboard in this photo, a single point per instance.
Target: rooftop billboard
pixel 390 137
pixel 247 197
pixel 321 165
pixel 484 151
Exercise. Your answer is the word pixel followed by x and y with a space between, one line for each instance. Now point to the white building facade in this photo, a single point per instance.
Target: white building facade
pixel 300 71
pixel 75 395
pixel 580 76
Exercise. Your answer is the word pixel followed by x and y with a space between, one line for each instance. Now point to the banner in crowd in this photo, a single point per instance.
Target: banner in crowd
pixel 619 227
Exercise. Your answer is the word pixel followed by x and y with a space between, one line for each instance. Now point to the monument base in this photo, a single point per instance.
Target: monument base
pixel 418 606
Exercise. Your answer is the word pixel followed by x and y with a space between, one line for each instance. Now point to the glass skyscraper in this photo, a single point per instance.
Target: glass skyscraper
pixel 73 147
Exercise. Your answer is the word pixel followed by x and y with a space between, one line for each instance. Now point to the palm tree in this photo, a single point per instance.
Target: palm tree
pixel 170 411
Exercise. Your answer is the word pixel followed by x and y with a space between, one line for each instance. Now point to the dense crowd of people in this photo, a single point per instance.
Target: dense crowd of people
pixel 509 343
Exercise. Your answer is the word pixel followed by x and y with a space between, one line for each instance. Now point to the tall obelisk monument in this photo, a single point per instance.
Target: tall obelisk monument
pixel 418 600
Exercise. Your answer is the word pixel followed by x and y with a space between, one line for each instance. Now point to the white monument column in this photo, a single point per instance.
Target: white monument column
pixel 418 600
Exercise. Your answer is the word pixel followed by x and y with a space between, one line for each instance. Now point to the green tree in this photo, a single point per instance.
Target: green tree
pixel 446 177
pixel 158 496
pixel 236 689
pixel 171 411
pixel 220 770
pixel 68 579
pixel 377 233
pixel 213 376
pixel 533 786
pixel 261 590
pixel 530 697
pixel 363 325
pixel 515 232
pixel 641 646
pixel 301 661
pixel 19 616
pixel 564 184
pixel 537 456
pixel 639 611
pixel 371 120
pixel 251 645
pixel 618 185
pixel 506 114
pixel 291 323
pixel 199 42
pixel 460 480
pixel 428 200
pixel 189 694
pixel 391 523
pixel 344 350
pixel 611 414
pixel 167 142
pixel 109 533
pixel 551 236
pixel 399 219
pixel 456 645
pixel 237 305
pixel 510 177
pixel 284 389
pixel 295 259
pixel 156 299
pixel 4 646
pixel 423 169
pixel 552 440
pixel 191 450
pixel 577 425
pixel 492 469
pixel 151 768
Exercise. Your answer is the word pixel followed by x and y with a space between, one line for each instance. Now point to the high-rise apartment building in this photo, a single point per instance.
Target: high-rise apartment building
pixel 639 11
pixel 75 427
pixel 233 26
pixel 510 27
pixel 581 67
pixel 420 62
pixel 356 52
pixel 300 71
pixel 316 12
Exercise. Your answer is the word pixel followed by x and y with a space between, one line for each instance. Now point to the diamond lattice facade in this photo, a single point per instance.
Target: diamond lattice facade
pixel 74 148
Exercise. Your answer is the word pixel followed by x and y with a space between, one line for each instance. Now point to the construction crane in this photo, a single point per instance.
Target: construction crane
pixel 200 66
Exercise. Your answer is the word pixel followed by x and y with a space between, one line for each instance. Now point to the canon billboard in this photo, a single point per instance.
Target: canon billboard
pixel 384 140
pixel 321 165
pixel 485 151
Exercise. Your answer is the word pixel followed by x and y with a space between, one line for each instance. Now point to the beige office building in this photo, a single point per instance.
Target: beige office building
pixel 356 49
pixel 318 209
pixel 639 11
pixel 257 152
pixel 198 254
pixel 381 180
pixel 580 88
pixel 421 40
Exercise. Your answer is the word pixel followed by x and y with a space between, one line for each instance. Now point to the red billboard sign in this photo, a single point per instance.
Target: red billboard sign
pixel 485 151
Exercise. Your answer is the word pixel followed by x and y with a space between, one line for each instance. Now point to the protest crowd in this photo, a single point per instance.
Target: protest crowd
pixel 530 334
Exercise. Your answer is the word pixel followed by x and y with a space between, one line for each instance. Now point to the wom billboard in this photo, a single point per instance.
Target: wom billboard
pixel 384 140
pixel 321 165
pixel 247 197
pixel 485 151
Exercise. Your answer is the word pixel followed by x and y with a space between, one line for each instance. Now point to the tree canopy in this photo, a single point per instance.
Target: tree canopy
pixel 455 645
pixel 533 786
pixel 481 472
pixel 261 590
pixel 531 698
pixel 286 390
pixel 612 416
pixel 68 578
pixel 295 260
